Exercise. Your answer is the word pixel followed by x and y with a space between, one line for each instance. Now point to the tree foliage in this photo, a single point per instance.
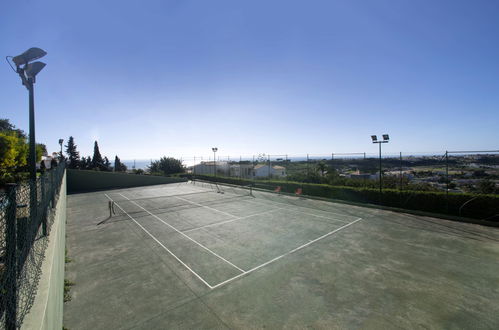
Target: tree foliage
pixel 73 154
pixel 13 149
pixel 166 166
pixel 97 161
pixel 118 165
pixel 107 164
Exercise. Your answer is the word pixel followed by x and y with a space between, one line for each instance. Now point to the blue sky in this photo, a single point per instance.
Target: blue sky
pixel 152 78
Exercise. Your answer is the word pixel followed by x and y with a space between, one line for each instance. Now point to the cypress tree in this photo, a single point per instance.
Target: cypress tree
pixel 73 155
pixel 97 158
pixel 118 165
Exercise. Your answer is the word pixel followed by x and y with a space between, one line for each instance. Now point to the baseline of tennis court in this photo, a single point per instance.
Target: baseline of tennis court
pixel 219 235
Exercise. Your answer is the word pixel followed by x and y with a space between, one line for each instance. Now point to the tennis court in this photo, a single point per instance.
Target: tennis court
pixel 247 258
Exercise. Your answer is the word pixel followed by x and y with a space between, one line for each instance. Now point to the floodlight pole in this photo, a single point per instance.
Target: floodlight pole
pixel 380 171
pixel 385 140
pixel 32 144
pixel 60 143
pixel 27 73
pixel 28 82
pixel 447 181
pixel 214 161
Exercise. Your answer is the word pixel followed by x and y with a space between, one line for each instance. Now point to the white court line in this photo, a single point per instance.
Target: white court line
pixel 191 239
pixel 161 244
pixel 210 208
pixel 316 215
pixel 311 214
pixel 244 273
pixel 232 220
pixel 285 254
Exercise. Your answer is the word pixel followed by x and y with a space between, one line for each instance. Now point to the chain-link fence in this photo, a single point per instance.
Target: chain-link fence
pixel 26 215
pixel 461 183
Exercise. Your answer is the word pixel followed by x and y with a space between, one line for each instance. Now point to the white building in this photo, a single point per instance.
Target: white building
pixel 241 170
pixel 246 171
pixel 208 168
pixel 262 171
pixel 47 160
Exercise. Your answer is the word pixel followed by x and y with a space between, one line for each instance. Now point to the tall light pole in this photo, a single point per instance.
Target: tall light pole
pixel 27 72
pixel 386 138
pixel 214 161
pixel 60 143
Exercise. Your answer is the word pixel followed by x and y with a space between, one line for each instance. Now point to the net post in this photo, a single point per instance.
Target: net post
pixel 10 262
pixel 110 205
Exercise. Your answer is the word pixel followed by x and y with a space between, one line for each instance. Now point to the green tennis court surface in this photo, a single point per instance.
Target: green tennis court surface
pixel 205 256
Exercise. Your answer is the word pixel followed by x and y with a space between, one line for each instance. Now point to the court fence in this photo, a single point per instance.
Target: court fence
pixel 26 216
pixel 456 183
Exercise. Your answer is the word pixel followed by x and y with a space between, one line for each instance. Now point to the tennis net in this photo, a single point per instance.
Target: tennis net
pixel 211 196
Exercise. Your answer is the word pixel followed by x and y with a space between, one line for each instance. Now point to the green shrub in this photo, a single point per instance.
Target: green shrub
pixel 478 206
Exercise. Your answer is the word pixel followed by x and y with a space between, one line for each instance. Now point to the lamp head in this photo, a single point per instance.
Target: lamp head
pixel 214 149
pixel 374 138
pixel 33 69
pixel 61 141
pixel 31 54
pixel 386 137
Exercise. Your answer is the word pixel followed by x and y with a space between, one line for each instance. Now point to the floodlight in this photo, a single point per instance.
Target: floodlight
pixel 28 56
pixel 386 137
pixel 374 138
pixel 33 69
pixel 214 149
pixel 61 141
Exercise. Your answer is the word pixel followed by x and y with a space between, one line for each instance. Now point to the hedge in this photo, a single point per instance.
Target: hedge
pixel 477 206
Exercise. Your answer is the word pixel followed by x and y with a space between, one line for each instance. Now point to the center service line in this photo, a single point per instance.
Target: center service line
pixel 209 208
pixel 232 220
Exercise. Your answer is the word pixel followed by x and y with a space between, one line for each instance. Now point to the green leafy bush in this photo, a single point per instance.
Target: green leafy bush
pixel 478 206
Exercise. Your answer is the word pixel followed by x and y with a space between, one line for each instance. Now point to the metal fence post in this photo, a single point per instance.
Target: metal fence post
pixel 308 172
pixel 10 262
pixel 287 165
pixel 52 183
pixel 253 170
pixel 269 170
pixel 400 171
pixel 43 206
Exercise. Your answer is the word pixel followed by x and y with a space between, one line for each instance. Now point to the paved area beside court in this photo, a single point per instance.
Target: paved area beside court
pixel 193 256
